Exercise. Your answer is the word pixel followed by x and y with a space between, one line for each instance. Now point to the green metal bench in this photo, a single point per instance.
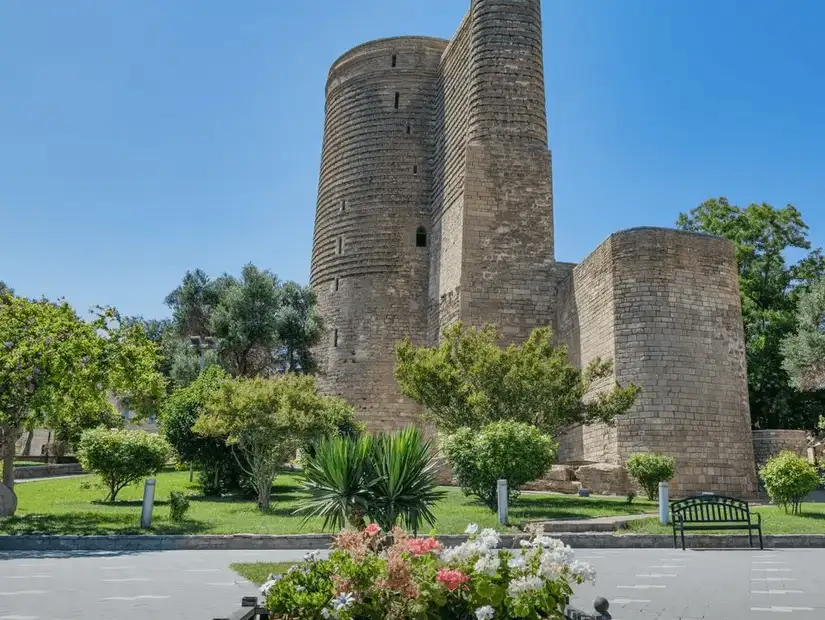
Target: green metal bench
pixel 710 512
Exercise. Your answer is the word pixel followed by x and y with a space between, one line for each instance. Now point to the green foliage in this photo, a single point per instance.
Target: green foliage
pixel 469 381
pixel 267 420
pixel 57 370
pixel 218 469
pixel 260 324
pixel 178 506
pixel 122 457
pixel 770 288
pixel 503 450
pixel 405 473
pixel 5 290
pixel 400 577
pixel 389 478
pixel 631 495
pixel 788 478
pixel 804 350
pixel 649 469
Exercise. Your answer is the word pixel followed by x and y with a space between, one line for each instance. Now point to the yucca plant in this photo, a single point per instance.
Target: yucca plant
pixel 339 477
pixel 406 486
pixel 391 479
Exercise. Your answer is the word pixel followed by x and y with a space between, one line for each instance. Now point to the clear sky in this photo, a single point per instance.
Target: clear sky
pixel 142 138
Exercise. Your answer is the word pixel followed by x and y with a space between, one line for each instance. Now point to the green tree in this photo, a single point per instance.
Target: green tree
pixel 262 326
pixel 788 478
pixel 649 469
pixel 770 288
pixel 218 469
pixel 5 289
pixel 121 457
pixel 58 371
pixel 266 420
pixel 804 350
pixel 469 381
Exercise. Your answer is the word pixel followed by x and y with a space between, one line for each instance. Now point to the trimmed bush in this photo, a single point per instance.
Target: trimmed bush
pixel 788 478
pixel 649 469
pixel 121 457
pixel 512 451
pixel 178 506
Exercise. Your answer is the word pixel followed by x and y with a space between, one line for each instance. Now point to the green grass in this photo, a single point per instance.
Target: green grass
pixel 774 521
pixel 25 463
pixel 257 572
pixel 73 506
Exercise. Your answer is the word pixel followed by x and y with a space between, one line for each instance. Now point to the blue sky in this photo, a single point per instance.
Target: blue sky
pixel 139 139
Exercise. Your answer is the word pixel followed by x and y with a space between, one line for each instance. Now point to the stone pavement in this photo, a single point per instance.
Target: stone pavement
pixel 642 584
pixel 648 584
pixel 184 585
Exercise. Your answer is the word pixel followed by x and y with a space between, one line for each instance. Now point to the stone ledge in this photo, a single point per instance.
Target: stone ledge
pixel 47 471
pixel 323 541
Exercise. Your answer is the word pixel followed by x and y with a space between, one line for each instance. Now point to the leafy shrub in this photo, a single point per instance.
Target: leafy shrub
pixel 369 575
pixel 511 451
pixel 122 457
pixel 649 469
pixel 788 479
pixel 389 478
pixel 178 506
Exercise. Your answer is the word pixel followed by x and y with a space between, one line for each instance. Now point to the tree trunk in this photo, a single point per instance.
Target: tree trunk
pixel 8 498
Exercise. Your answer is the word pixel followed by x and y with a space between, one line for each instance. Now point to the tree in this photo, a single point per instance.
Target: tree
pixel 266 420
pixel 788 478
pixel 804 350
pixel 770 288
pixel 5 289
pixel 57 370
pixel 262 326
pixel 121 457
pixel 649 469
pixel 469 381
pixel 511 451
pixel 218 469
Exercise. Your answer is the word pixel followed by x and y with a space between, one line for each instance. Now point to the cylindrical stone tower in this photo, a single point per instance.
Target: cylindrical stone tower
pixel 371 246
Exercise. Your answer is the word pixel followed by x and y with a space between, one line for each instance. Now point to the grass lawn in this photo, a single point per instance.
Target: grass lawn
pixel 257 572
pixel 774 521
pixel 24 463
pixel 73 506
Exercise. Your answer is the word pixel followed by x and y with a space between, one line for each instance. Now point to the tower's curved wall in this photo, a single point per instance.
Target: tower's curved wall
pixel 367 269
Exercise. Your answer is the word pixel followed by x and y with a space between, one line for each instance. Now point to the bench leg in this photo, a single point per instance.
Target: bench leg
pixel 675 545
pixel 683 537
pixel 761 544
pixel 750 538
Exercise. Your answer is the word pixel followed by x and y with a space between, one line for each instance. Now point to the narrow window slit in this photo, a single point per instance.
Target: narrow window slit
pixel 421 237
pixel 397 99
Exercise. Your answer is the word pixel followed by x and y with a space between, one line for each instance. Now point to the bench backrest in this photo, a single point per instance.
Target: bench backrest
pixel 710 508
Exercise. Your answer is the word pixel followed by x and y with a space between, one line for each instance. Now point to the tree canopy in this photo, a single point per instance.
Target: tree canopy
pixel 59 371
pixel 261 326
pixel 804 350
pixel 470 381
pixel 266 420
pixel 770 287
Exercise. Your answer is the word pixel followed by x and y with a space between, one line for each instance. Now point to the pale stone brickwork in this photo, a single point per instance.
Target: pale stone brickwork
pixel 450 137
pixel 769 443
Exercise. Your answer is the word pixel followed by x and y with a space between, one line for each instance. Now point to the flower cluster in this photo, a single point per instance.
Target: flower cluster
pixel 370 574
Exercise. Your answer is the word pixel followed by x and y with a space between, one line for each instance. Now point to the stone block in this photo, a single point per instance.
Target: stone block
pixel 603 478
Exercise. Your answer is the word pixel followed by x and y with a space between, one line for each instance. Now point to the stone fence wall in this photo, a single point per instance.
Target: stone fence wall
pixel 47 471
pixel 769 443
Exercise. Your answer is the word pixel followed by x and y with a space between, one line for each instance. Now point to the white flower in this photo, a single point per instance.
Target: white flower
pixel 312 556
pixel 325 612
pixel 342 600
pixel 489 538
pixel 516 562
pixel 584 571
pixel 524 584
pixel 550 570
pixel 293 568
pixel 486 565
pixel 299 588
pixel 525 544
pixel 471 529
pixel 464 551
pixel 269 584
pixel 485 613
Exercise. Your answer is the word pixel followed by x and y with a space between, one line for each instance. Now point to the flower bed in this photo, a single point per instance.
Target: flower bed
pixel 372 575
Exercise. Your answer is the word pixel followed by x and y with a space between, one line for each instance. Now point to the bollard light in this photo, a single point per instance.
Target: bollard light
pixel 148 501
pixel 664 504
pixel 502 502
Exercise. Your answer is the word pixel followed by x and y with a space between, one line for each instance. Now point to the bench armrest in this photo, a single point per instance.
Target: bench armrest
pixel 758 517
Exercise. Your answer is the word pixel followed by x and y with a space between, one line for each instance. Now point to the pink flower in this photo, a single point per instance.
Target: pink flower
pixel 372 529
pixel 451 579
pixel 420 546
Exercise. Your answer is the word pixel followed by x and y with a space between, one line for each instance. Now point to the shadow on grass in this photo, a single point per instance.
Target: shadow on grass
pixel 93 524
pixel 565 507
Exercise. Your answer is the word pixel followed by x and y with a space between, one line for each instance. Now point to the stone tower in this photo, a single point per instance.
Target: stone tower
pixel 435 204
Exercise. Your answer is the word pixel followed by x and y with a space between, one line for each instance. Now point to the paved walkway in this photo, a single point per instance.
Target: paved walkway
pixel 642 584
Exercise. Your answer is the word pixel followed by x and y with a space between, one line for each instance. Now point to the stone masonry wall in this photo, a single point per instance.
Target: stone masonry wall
pixel 369 275
pixel 585 324
pixel 769 443
pixel 679 336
